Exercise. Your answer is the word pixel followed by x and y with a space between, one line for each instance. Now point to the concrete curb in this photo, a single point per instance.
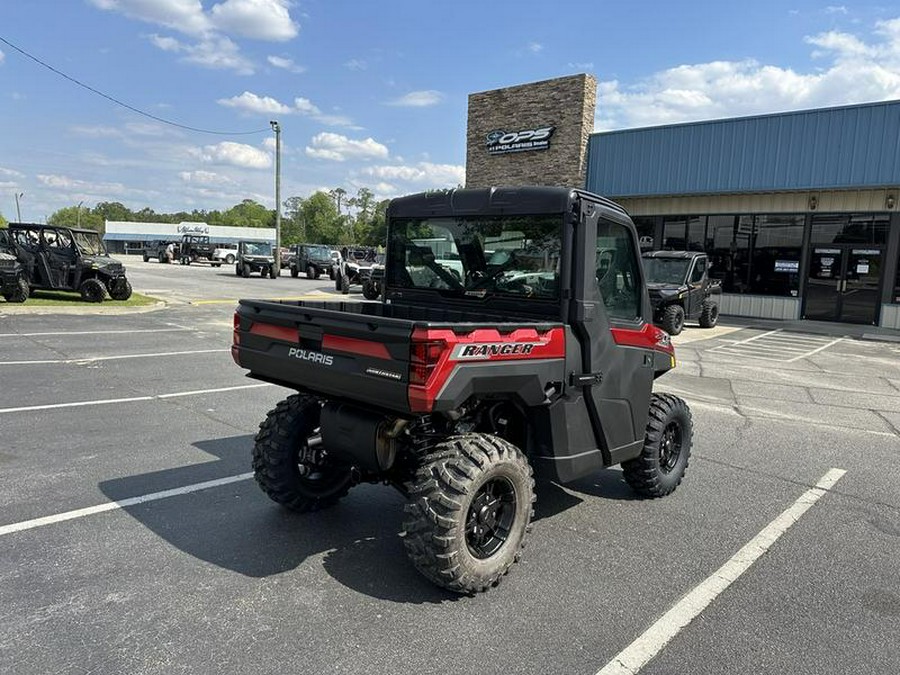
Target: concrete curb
pixel 81 310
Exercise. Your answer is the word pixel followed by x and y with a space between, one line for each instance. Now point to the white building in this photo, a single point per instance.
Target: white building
pixel 126 237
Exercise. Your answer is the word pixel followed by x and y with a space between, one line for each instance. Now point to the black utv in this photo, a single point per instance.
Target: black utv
pixel 255 257
pixel 13 282
pixel 311 260
pixel 680 289
pixel 536 360
pixel 62 258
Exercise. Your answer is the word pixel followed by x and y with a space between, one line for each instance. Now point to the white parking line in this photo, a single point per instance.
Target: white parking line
pixel 816 351
pixel 97 332
pixel 91 359
pixel 112 506
pixel 636 655
pixel 110 401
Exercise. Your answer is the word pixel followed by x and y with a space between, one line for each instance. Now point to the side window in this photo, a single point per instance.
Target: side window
pixel 617 271
pixel 699 270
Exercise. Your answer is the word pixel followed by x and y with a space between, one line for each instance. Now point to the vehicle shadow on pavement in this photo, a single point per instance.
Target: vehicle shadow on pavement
pixel 236 527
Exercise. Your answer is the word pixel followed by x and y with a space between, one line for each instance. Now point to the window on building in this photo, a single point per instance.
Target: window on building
pixel 719 235
pixel 896 297
pixel 696 233
pixel 775 256
pixel 858 228
pixel 674 235
pixel 646 231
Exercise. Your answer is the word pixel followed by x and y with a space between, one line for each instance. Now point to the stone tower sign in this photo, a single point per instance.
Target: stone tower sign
pixel 531 134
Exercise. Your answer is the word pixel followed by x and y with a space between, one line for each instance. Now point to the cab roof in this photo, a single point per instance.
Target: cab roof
pixel 679 255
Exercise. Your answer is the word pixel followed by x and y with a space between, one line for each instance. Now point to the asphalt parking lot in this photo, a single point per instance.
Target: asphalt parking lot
pixel 133 540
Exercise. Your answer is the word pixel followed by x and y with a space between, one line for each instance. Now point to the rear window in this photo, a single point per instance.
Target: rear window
pixel 477 256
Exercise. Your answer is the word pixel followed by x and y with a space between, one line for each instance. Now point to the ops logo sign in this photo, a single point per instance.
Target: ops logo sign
pixel 500 142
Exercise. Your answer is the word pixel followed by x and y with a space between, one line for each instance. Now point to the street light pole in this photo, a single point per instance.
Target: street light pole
pixel 18 211
pixel 277 129
pixel 78 217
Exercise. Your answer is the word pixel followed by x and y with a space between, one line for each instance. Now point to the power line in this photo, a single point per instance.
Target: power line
pixel 125 105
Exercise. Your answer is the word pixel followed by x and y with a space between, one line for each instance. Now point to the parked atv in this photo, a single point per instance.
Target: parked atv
pixel 680 289
pixel 459 389
pixel 255 257
pixel 13 282
pixel 67 259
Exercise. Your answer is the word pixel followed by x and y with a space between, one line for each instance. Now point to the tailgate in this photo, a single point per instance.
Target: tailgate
pixel 328 348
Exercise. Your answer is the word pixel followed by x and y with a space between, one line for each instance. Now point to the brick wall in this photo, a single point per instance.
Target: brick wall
pixel 567 103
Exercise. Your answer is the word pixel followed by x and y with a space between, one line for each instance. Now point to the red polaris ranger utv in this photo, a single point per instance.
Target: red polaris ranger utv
pixel 514 339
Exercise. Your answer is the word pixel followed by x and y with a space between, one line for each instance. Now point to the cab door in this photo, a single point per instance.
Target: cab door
pixel 617 379
pixel 696 290
pixel 59 251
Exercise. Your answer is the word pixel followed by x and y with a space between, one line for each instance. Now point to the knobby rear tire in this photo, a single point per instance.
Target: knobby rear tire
pixel 455 473
pixel 276 458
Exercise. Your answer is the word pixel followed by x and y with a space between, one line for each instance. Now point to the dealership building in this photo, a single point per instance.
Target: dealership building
pixel 130 237
pixel 799 211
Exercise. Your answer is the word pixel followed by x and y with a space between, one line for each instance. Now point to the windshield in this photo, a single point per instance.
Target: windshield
pixel 477 256
pixel 251 248
pixel 89 243
pixel 319 252
pixel 665 270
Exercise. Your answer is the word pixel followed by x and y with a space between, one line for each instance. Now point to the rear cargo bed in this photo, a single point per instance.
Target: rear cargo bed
pixel 353 351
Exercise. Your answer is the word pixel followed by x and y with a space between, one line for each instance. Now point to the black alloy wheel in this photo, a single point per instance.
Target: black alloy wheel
pixel 490 518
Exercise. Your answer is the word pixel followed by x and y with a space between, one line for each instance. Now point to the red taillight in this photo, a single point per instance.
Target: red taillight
pixel 423 359
pixel 236 338
pixel 662 342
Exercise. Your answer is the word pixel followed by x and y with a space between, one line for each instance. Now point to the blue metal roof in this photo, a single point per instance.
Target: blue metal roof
pixel 829 148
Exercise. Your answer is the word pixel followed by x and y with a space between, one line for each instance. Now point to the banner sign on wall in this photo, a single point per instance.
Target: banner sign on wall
pixel 500 142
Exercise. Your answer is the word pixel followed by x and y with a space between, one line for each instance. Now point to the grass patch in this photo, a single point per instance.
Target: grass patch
pixel 66 299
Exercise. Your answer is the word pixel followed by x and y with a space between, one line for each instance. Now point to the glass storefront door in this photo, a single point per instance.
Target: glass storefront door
pixel 843 283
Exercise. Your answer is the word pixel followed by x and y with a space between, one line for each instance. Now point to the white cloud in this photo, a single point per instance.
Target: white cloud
pixel 305 107
pixel 535 47
pixel 2 56
pixel 857 69
pixel 186 16
pixel 418 99
pixel 255 104
pixel 268 20
pixel 340 148
pixel 285 64
pixel 424 174
pixel 356 64
pixel 205 178
pixel 217 52
pixel 66 183
pixel 251 103
pixel 11 173
pixel 257 19
pixel 587 65
pixel 836 9
pixel 236 154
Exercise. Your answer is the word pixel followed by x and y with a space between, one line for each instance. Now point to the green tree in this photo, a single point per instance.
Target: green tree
pixel 74 216
pixel 338 195
pixel 249 214
pixel 292 230
pixel 3 221
pixel 113 211
pixel 320 220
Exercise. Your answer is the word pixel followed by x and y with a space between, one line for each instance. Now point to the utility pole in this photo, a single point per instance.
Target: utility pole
pixel 78 217
pixel 277 129
pixel 18 212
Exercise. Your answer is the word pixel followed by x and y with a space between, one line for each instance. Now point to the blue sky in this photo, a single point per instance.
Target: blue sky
pixel 374 94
